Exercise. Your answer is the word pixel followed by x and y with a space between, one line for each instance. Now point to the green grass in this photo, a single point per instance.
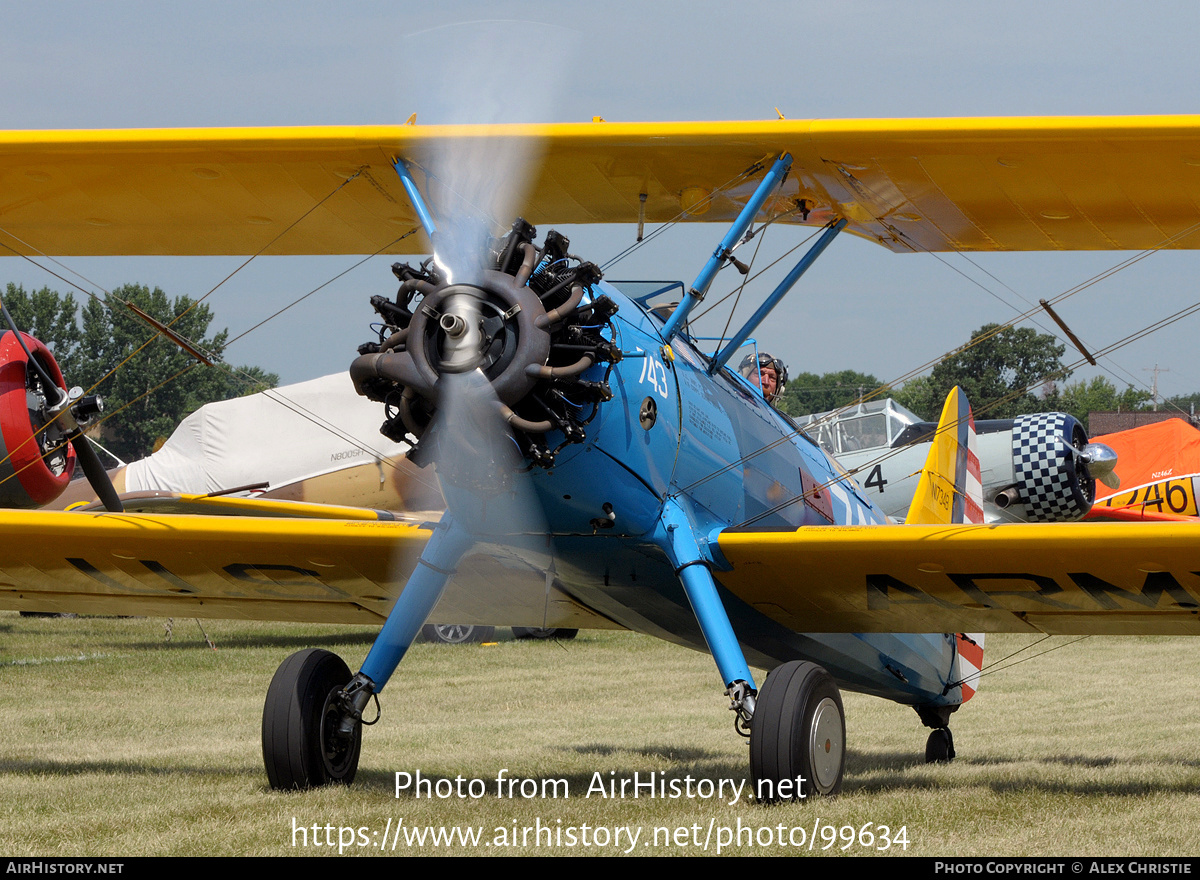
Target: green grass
pixel 121 743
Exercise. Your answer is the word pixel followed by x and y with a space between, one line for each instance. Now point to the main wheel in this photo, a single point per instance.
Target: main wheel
pixel 301 744
pixel 798 733
pixel 456 633
pixel 939 748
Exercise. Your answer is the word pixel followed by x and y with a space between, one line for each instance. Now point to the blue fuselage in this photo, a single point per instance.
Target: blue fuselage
pixel 718 449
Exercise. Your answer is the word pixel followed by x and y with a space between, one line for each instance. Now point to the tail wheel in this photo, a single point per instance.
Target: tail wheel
pixel 939 748
pixel 798 733
pixel 302 747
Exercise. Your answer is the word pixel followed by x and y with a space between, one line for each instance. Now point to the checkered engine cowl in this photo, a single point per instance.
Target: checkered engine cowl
pixel 1052 483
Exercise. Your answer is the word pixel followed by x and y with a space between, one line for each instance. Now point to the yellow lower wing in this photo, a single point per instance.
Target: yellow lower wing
pixel 1114 578
pixel 1103 578
pixel 199 566
pixel 296 562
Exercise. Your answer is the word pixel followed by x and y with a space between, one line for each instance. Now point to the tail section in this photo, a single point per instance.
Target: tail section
pixel 950 489
pixel 968 662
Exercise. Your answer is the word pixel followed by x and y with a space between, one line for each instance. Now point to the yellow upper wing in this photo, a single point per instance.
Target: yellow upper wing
pixel 938 184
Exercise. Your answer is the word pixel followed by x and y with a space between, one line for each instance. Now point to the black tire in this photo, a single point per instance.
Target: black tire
pixel 939 748
pixel 457 633
pixel 798 730
pixel 300 749
pixel 544 632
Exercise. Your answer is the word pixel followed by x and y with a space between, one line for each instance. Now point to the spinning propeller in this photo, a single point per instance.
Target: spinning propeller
pixel 479 363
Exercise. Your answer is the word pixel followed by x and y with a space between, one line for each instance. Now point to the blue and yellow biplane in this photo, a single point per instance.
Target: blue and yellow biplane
pixel 668 496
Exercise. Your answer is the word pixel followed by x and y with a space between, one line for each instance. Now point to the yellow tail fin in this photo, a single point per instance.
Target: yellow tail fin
pixel 950 489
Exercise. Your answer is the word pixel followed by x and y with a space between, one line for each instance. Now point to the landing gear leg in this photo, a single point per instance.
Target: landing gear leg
pixel 796 724
pixel 677 537
pixel 312 720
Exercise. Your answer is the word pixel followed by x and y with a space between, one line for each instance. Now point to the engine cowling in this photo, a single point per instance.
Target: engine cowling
pixel 1051 478
pixel 36 459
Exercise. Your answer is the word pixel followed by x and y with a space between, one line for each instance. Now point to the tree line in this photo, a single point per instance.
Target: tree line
pixel 1005 372
pixel 147 388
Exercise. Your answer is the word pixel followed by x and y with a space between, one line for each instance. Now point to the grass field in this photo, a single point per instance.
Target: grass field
pixel 122 743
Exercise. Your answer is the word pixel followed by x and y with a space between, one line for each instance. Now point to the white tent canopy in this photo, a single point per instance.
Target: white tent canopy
pixel 278 436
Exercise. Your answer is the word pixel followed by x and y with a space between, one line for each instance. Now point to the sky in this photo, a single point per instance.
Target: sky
pixel 131 64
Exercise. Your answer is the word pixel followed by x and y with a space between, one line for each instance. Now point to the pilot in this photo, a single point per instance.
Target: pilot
pixel 768 373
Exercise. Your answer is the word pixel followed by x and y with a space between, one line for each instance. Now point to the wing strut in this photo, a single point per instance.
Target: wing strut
pixel 724 251
pixel 414 195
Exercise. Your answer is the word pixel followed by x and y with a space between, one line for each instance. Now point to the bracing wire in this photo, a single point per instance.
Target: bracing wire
pixel 1169 240
pixel 996 667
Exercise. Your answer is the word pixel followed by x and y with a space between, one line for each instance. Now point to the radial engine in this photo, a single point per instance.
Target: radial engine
pixel 523 319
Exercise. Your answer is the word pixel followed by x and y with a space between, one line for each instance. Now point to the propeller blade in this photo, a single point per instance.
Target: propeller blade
pixel 478 462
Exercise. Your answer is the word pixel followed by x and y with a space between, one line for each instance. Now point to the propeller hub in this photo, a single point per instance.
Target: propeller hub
pixel 489 326
pixel 1101 462
pixel 461 341
pixel 453 326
